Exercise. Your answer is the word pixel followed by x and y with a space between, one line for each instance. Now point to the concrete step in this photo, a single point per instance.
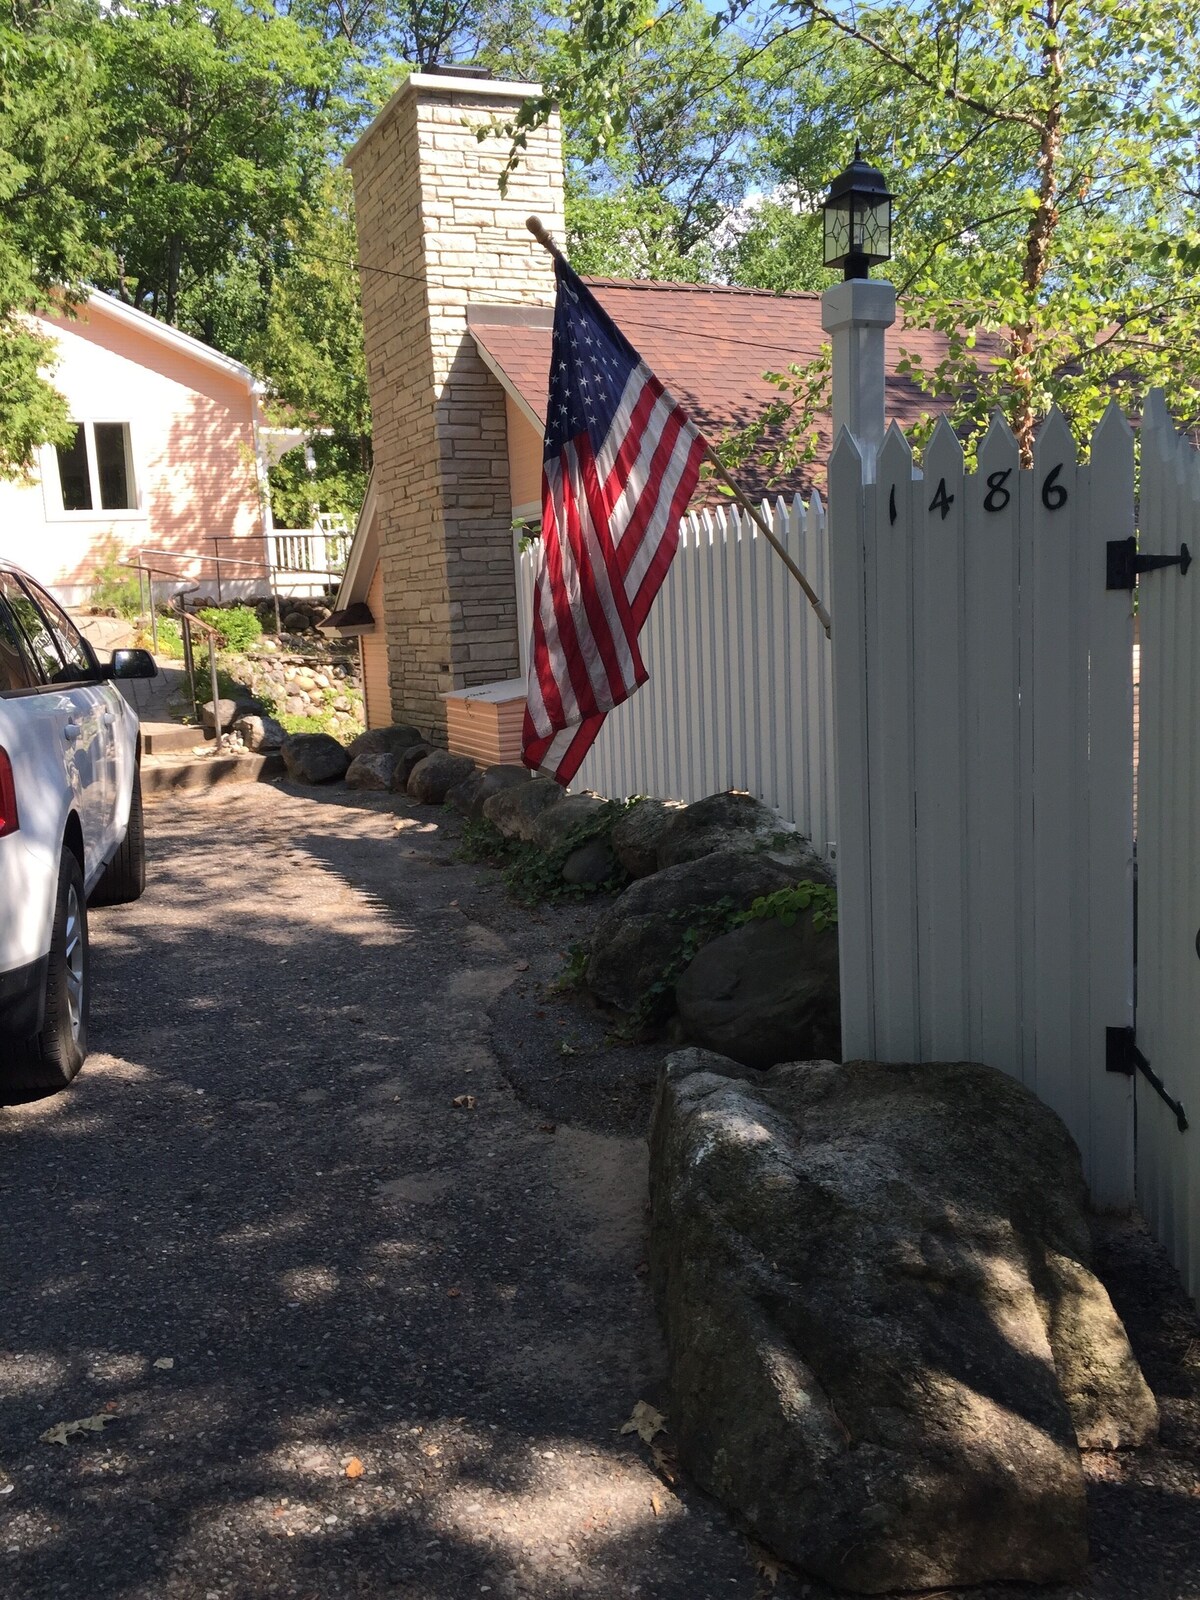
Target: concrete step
pixel 169 774
pixel 161 738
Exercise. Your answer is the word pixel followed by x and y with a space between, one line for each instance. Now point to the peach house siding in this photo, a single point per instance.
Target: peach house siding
pixel 377 697
pixel 192 437
pixel 525 449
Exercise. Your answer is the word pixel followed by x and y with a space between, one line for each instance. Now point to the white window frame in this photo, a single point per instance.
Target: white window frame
pixel 52 493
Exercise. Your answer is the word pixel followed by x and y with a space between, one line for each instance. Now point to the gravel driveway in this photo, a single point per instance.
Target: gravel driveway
pixel 258 1235
pixel 347 1336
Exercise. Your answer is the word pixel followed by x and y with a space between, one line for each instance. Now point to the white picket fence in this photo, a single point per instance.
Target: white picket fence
pixel 740 690
pixel 1168 971
pixel 985 747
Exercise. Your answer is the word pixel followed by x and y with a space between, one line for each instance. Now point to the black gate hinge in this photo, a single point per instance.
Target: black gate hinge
pixel 1124 563
pixel 1121 1054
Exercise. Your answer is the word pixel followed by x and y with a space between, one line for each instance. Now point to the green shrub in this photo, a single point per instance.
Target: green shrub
pixel 238 627
pixel 116 588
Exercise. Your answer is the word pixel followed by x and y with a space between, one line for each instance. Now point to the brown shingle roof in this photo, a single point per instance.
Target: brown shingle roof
pixel 708 343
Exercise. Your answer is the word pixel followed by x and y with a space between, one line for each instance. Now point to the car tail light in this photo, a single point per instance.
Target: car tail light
pixel 9 820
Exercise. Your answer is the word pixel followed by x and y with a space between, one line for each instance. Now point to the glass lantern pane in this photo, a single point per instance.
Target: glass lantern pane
pixel 837 235
pixel 874 231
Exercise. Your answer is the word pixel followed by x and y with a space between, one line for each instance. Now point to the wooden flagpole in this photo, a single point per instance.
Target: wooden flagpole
pixel 538 229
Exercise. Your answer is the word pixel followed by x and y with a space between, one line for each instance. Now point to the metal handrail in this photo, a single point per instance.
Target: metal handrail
pixel 188 622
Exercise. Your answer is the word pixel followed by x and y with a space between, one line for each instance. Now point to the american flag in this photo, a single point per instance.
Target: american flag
pixel 620 466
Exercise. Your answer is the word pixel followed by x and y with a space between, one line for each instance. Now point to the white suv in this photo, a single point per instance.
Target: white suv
pixel 70 824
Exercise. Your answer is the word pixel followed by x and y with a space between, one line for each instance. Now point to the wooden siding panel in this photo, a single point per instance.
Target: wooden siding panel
pixel 377 699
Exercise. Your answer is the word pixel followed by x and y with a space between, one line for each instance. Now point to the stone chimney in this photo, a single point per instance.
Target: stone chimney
pixel 435 235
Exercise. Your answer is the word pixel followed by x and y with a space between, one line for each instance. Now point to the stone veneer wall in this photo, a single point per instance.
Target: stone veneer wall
pixel 430 211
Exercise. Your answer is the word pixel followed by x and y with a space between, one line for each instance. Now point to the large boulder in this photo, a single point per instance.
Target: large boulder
pixel 734 821
pixel 765 992
pixel 561 827
pixel 395 740
pixel 515 810
pixel 590 865
pixel 371 771
pixel 402 770
pixel 641 936
pixel 228 712
pixel 506 775
pixel 314 758
pixel 886 1344
pixel 437 773
pixel 462 796
pixel 636 835
pixel 260 733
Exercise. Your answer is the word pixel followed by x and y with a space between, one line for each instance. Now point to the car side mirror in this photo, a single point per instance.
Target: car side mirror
pixel 132 664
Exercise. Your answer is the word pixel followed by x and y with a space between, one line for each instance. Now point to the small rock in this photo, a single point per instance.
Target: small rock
pixel 435 774
pixel 371 771
pixel 314 758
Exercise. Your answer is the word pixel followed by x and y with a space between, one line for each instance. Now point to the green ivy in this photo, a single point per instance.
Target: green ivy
pixel 786 905
pixel 532 875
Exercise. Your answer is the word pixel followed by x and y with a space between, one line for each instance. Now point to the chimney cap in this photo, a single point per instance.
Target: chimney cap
pixel 465 69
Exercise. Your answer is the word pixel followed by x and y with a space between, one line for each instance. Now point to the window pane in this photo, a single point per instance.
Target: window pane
pixel 77 663
pixel 73 473
pixel 15 670
pixel 33 628
pixel 112 461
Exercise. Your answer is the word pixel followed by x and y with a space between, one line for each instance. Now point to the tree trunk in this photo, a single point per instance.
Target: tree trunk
pixel 174 256
pixel 1040 235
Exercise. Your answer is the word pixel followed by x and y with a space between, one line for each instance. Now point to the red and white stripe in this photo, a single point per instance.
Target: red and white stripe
pixel 610 529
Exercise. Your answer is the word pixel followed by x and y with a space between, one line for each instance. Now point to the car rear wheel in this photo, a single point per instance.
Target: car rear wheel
pixel 54 1055
pixel 124 878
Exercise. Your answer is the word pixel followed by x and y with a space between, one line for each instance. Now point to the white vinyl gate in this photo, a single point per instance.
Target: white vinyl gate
pixel 983 691
pixel 1168 846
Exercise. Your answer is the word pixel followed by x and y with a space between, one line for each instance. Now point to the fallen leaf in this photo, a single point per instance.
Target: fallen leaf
pixel 663 1463
pixel 111 1405
pixel 454 1294
pixel 354 1468
pixel 765 1565
pixel 464 1102
pixel 547 1127
pixel 62 1431
pixel 656 1505
pixel 165 1363
pixel 645 1422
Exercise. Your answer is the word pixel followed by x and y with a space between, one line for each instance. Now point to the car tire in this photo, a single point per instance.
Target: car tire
pixel 124 878
pixel 54 1055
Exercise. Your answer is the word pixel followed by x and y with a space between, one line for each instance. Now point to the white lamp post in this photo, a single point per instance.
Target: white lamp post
pixel 857 312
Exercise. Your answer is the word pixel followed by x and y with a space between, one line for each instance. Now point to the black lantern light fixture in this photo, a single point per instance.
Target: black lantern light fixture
pixel 858 219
